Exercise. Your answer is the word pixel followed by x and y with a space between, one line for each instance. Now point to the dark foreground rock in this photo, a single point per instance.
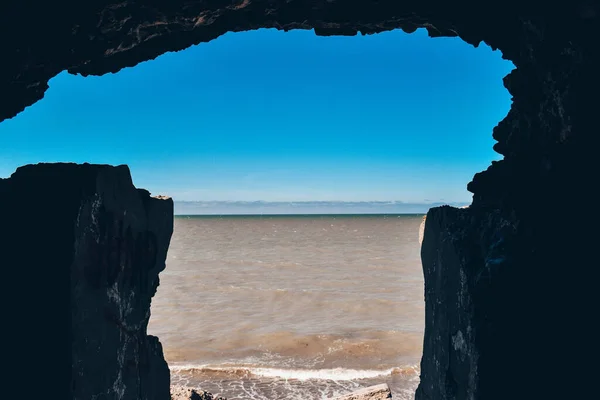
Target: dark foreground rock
pixel 507 301
pixel 188 393
pixel 83 248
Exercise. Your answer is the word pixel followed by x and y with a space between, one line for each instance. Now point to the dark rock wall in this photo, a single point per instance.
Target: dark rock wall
pixel 510 282
pixel 92 245
pixel 508 304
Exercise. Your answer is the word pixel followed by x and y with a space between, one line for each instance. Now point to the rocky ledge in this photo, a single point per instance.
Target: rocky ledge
pixel 377 392
pixel 188 393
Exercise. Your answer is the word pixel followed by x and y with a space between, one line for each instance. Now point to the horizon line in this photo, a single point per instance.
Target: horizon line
pixel 295 214
pixel 320 201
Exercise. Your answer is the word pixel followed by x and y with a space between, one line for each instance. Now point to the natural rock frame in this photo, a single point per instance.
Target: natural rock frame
pixel 509 281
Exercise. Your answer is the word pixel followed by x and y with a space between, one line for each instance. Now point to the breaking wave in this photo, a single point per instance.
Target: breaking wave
pixel 332 374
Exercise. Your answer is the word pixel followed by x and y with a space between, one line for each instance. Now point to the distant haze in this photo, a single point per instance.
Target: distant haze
pixel 304 207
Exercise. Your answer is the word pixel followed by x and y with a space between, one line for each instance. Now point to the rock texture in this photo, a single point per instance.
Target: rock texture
pixel 90 246
pixel 188 393
pixel 377 392
pixel 510 281
pixel 507 294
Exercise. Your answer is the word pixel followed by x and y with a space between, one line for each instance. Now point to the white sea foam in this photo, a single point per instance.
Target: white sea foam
pixel 333 374
pixel 336 374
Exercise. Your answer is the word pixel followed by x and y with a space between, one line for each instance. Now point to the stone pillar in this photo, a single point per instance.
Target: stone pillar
pixel 81 250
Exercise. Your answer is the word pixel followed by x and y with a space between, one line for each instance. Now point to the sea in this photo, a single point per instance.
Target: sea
pixel 292 306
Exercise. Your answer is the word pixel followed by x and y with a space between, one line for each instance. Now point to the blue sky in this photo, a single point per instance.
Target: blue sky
pixel 275 116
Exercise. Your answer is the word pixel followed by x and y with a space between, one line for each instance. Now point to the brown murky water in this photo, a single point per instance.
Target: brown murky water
pixel 303 307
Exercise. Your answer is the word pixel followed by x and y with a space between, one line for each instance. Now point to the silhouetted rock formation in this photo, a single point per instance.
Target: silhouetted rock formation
pixel 519 267
pixel 98 243
pixel 506 304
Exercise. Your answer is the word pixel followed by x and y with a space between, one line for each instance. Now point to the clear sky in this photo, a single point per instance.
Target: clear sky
pixel 275 116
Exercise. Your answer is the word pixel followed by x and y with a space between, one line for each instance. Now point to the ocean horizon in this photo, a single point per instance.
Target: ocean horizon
pixel 374 214
pixel 324 208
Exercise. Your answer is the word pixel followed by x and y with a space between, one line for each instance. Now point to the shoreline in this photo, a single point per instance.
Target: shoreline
pixel 375 392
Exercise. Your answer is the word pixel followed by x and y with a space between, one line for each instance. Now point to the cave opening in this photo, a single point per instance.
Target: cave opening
pixel 474 146
pixel 509 287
